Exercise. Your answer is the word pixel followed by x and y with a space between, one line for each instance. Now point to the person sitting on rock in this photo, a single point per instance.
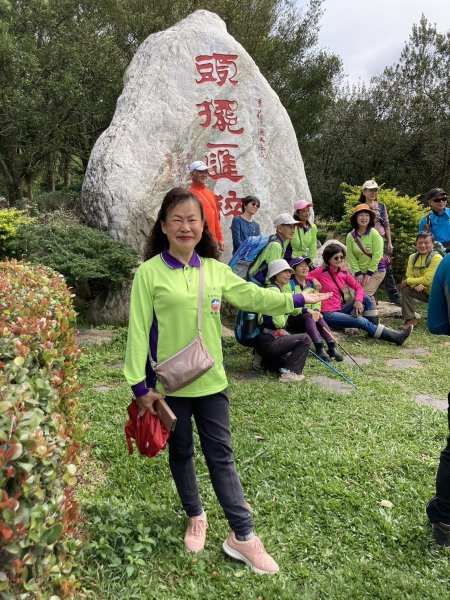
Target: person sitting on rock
pixel 309 319
pixel 359 311
pixel 278 245
pixel 420 271
pixel 438 509
pixel 274 345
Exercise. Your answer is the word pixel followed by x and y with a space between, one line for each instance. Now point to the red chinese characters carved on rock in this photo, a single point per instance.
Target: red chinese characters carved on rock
pixel 222 163
pixel 217 68
pixel 230 206
pixel 224 114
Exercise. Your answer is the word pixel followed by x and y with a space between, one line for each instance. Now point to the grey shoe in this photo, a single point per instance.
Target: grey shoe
pixel 257 362
pixel 441 533
pixel 290 377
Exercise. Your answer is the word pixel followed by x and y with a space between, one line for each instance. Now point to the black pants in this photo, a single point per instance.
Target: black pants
pixel 289 351
pixel 212 417
pixel 438 509
pixel 390 285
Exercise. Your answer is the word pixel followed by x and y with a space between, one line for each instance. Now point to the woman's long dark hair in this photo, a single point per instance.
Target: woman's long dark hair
pixel 157 241
pixel 354 216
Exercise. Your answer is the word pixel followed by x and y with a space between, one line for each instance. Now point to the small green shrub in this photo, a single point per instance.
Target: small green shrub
pixel 38 387
pixel 63 200
pixel 89 259
pixel 404 216
pixel 10 221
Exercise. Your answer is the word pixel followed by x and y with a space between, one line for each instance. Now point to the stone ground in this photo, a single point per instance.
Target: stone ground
pixel 92 337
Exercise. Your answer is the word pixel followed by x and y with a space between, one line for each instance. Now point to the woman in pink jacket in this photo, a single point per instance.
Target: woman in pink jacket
pixel 359 312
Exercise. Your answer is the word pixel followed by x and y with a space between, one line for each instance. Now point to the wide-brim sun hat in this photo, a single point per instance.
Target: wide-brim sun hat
pixel 362 208
pixel 299 260
pixel 277 266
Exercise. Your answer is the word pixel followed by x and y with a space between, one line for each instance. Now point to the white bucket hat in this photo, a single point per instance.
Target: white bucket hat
pixel 278 265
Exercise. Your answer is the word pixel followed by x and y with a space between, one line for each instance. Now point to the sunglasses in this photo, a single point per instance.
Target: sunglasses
pixel 440 200
pixel 254 204
pixel 338 257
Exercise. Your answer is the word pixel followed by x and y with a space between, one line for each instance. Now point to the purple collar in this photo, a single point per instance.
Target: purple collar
pixel 355 234
pixel 174 263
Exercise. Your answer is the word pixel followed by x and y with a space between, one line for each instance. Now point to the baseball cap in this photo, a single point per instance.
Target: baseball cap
pixel 301 204
pixel 370 184
pixel 435 193
pixel 276 266
pixel 299 260
pixel 198 165
pixel 284 219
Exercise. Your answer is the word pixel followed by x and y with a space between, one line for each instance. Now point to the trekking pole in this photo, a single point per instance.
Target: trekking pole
pixel 344 349
pixel 332 368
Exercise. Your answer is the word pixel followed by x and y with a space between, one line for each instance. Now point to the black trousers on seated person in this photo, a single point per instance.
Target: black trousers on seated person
pixel 288 352
pixel 438 509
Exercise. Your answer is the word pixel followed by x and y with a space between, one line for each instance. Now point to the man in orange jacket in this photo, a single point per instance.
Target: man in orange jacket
pixel 199 174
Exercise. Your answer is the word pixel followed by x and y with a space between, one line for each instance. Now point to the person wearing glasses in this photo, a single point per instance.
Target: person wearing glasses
pixel 304 242
pixel 438 509
pixel 369 196
pixel 356 313
pixel 420 271
pixel 438 220
pixel 243 226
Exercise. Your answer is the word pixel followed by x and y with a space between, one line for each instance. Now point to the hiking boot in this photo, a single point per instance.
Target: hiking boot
pixel 441 533
pixel 333 353
pixel 320 351
pixel 195 536
pixel 290 377
pixel 408 323
pixel 251 552
pixel 257 362
pixel 397 301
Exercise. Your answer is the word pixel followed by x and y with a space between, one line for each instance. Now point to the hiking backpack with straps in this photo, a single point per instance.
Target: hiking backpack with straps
pixel 427 260
pixel 246 256
pixel 246 328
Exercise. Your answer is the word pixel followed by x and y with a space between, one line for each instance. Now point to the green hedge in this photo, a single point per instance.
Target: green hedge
pixel 38 387
pixel 404 216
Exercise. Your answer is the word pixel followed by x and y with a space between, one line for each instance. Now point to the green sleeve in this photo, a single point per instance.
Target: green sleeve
pixel 377 250
pixel 353 261
pixel 248 296
pixel 313 245
pixel 141 315
pixel 296 244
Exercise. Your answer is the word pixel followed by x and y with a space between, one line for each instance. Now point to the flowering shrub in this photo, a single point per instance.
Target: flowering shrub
pixel 38 386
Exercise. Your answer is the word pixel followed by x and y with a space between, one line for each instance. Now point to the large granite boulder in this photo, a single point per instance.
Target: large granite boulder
pixel 192 92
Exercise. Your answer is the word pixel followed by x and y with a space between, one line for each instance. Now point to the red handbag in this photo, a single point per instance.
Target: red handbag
pixel 147 431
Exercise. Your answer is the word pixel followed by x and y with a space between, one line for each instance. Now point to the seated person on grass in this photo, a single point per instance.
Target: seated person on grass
pixel 420 271
pixel 274 347
pixel 359 312
pixel 309 319
pixel 278 245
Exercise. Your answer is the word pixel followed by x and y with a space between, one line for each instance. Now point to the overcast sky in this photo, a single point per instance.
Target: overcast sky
pixel 369 35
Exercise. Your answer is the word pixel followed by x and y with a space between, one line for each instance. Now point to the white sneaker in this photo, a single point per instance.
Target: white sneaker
pixel 257 362
pixel 290 377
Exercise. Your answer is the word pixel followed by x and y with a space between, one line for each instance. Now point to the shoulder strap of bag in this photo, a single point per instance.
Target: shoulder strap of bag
pixel 360 246
pixel 199 310
pixel 336 284
pixel 428 226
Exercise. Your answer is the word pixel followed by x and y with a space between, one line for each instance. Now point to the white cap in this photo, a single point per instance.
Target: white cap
pixel 198 165
pixel 284 219
pixel 278 265
pixel 370 184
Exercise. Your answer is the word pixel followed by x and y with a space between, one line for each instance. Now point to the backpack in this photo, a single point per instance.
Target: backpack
pixel 247 254
pixel 427 260
pixel 246 328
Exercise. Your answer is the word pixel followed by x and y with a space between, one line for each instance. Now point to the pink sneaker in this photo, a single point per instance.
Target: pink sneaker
pixel 251 552
pixel 195 536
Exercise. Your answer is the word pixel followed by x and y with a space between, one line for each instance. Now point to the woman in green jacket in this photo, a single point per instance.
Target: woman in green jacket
pixel 304 242
pixel 365 250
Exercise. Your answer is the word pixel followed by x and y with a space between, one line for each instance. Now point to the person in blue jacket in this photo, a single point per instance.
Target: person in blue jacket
pixel 438 220
pixel 243 226
pixel 438 509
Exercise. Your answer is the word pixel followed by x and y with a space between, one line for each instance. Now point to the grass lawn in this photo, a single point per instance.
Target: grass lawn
pixel 315 466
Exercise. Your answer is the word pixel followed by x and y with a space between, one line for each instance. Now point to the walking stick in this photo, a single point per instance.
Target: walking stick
pixel 333 369
pixel 344 349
